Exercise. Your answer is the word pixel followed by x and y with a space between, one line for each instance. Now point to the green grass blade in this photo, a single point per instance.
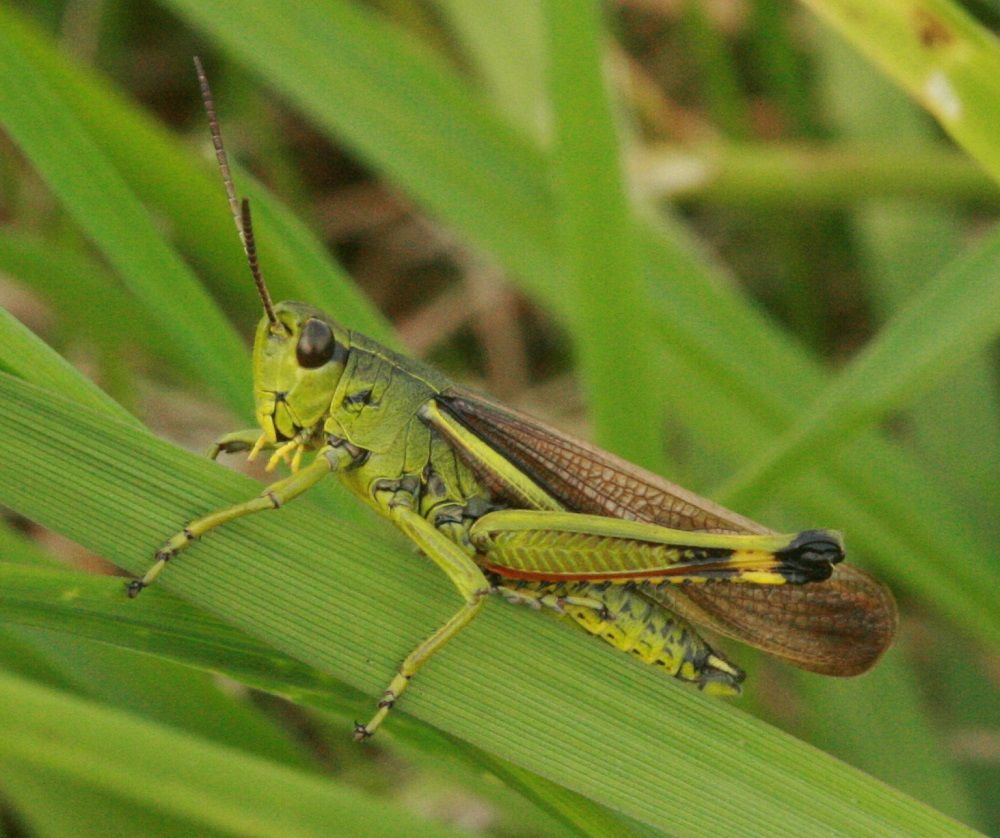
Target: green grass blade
pixel 157 689
pixel 317 591
pixel 505 43
pixel 775 51
pixel 50 803
pixel 27 356
pixel 952 319
pixel 937 52
pixel 166 693
pixel 886 714
pixel 793 176
pixel 21 550
pixel 205 344
pixel 189 193
pixel 715 70
pixel 583 816
pixel 958 423
pixel 74 283
pixel 602 264
pixel 156 767
pixel 93 607
pixel 338 60
pixel 899 242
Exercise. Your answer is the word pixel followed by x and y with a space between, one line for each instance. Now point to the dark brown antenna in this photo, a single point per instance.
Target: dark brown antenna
pixel 251 250
pixel 240 210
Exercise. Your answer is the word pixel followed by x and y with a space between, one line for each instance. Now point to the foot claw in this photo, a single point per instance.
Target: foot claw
pixel 134 588
pixel 361 732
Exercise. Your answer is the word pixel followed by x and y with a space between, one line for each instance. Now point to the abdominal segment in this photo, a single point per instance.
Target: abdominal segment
pixel 623 616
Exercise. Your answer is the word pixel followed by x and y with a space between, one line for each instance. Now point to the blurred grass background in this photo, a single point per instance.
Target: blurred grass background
pixel 717 237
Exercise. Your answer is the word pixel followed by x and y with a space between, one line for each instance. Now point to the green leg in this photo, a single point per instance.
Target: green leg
pixel 526 595
pixel 464 574
pixel 566 545
pixel 327 460
pixel 238 441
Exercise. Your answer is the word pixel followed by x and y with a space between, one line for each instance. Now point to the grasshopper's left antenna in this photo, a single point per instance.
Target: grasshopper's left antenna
pixel 239 209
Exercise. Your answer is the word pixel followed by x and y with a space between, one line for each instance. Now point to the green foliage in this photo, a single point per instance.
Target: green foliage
pixel 318 604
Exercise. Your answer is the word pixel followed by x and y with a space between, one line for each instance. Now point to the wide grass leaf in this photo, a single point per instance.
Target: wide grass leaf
pixel 92 607
pixel 159 768
pixel 353 606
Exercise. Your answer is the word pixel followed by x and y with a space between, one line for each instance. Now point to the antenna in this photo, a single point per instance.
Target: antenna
pixel 251 250
pixel 239 209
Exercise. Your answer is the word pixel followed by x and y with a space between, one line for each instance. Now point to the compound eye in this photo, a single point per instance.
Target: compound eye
pixel 316 344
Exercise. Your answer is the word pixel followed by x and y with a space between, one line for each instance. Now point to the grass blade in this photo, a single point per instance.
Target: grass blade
pixel 25 355
pixel 952 319
pixel 316 590
pixel 157 767
pixel 205 344
pixel 939 54
pixel 602 263
pixel 92 607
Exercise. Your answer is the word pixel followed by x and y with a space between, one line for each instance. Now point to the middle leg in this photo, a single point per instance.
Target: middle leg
pixel 464 574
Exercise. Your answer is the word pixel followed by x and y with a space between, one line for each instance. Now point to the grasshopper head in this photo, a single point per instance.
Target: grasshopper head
pixel 298 359
pixel 299 353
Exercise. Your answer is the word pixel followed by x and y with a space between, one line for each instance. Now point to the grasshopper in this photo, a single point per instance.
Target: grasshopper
pixel 504 504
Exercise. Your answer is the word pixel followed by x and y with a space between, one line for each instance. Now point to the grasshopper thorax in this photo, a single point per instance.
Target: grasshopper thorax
pixel 298 360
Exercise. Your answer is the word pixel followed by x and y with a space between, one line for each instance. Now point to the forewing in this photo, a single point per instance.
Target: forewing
pixel 583 477
pixel 837 627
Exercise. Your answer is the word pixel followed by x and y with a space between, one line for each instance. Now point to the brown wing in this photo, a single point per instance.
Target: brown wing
pixel 585 478
pixel 837 627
